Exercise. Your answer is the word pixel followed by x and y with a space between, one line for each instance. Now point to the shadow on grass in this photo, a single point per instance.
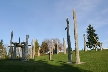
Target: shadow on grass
pixel 36 66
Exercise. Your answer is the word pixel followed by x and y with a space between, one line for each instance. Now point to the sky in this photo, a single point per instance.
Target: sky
pixel 43 19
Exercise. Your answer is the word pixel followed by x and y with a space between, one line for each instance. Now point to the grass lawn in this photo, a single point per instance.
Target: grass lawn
pixel 95 62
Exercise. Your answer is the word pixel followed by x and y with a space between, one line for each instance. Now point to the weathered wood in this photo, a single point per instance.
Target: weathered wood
pixel 10 46
pixel 19 51
pixel 11 49
pixel 39 51
pixel 50 54
pixel 14 54
pixel 76 38
pixel 98 44
pixel 34 41
pixel 52 47
pixel 101 46
pixel 85 49
pixel 69 42
pixel 57 48
pixel 23 45
pixel 64 45
pixel 51 51
pixel 23 53
pixel 26 48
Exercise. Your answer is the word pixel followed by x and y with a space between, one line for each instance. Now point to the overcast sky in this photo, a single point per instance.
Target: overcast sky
pixel 47 19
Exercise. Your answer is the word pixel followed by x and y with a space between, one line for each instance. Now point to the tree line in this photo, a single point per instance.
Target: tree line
pixel 46 44
pixel 92 39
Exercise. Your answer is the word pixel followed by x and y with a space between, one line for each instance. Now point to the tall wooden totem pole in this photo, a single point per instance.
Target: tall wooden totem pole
pixel 26 47
pixel 76 38
pixel 69 42
pixel 11 48
pixel 85 49
pixel 64 45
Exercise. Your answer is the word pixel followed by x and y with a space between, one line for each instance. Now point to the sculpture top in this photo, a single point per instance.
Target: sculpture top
pixel 11 34
pixel 27 36
pixel 67 21
pixel 83 35
pixel 74 14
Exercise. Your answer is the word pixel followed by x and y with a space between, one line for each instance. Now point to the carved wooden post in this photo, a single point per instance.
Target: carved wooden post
pixel 64 45
pixel 57 48
pixel 100 45
pixel 51 52
pixel 96 42
pixel 69 42
pixel 52 47
pixel 23 53
pixel 39 51
pixel 26 48
pixel 76 38
pixel 11 48
pixel 19 49
pixel 85 49
pixel 14 51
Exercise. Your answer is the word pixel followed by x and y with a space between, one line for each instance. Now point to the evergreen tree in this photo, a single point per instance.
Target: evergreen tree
pixel 91 36
pixel 1 48
pixel 1 44
pixel 36 46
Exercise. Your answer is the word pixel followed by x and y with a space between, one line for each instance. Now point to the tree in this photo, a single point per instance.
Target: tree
pixel 2 50
pixel 55 40
pixel 44 47
pixel 1 43
pixel 92 37
pixel 1 46
pixel 60 48
pixel 36 46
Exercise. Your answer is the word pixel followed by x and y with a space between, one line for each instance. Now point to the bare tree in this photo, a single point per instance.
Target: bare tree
pixel 55 40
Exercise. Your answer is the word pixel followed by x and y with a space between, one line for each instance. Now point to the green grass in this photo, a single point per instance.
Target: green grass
pixel 95 62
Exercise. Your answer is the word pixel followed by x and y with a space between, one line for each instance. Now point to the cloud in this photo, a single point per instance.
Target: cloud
pixel 86 11
pixel 86 5
pixel 98 22
pixel 81 6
